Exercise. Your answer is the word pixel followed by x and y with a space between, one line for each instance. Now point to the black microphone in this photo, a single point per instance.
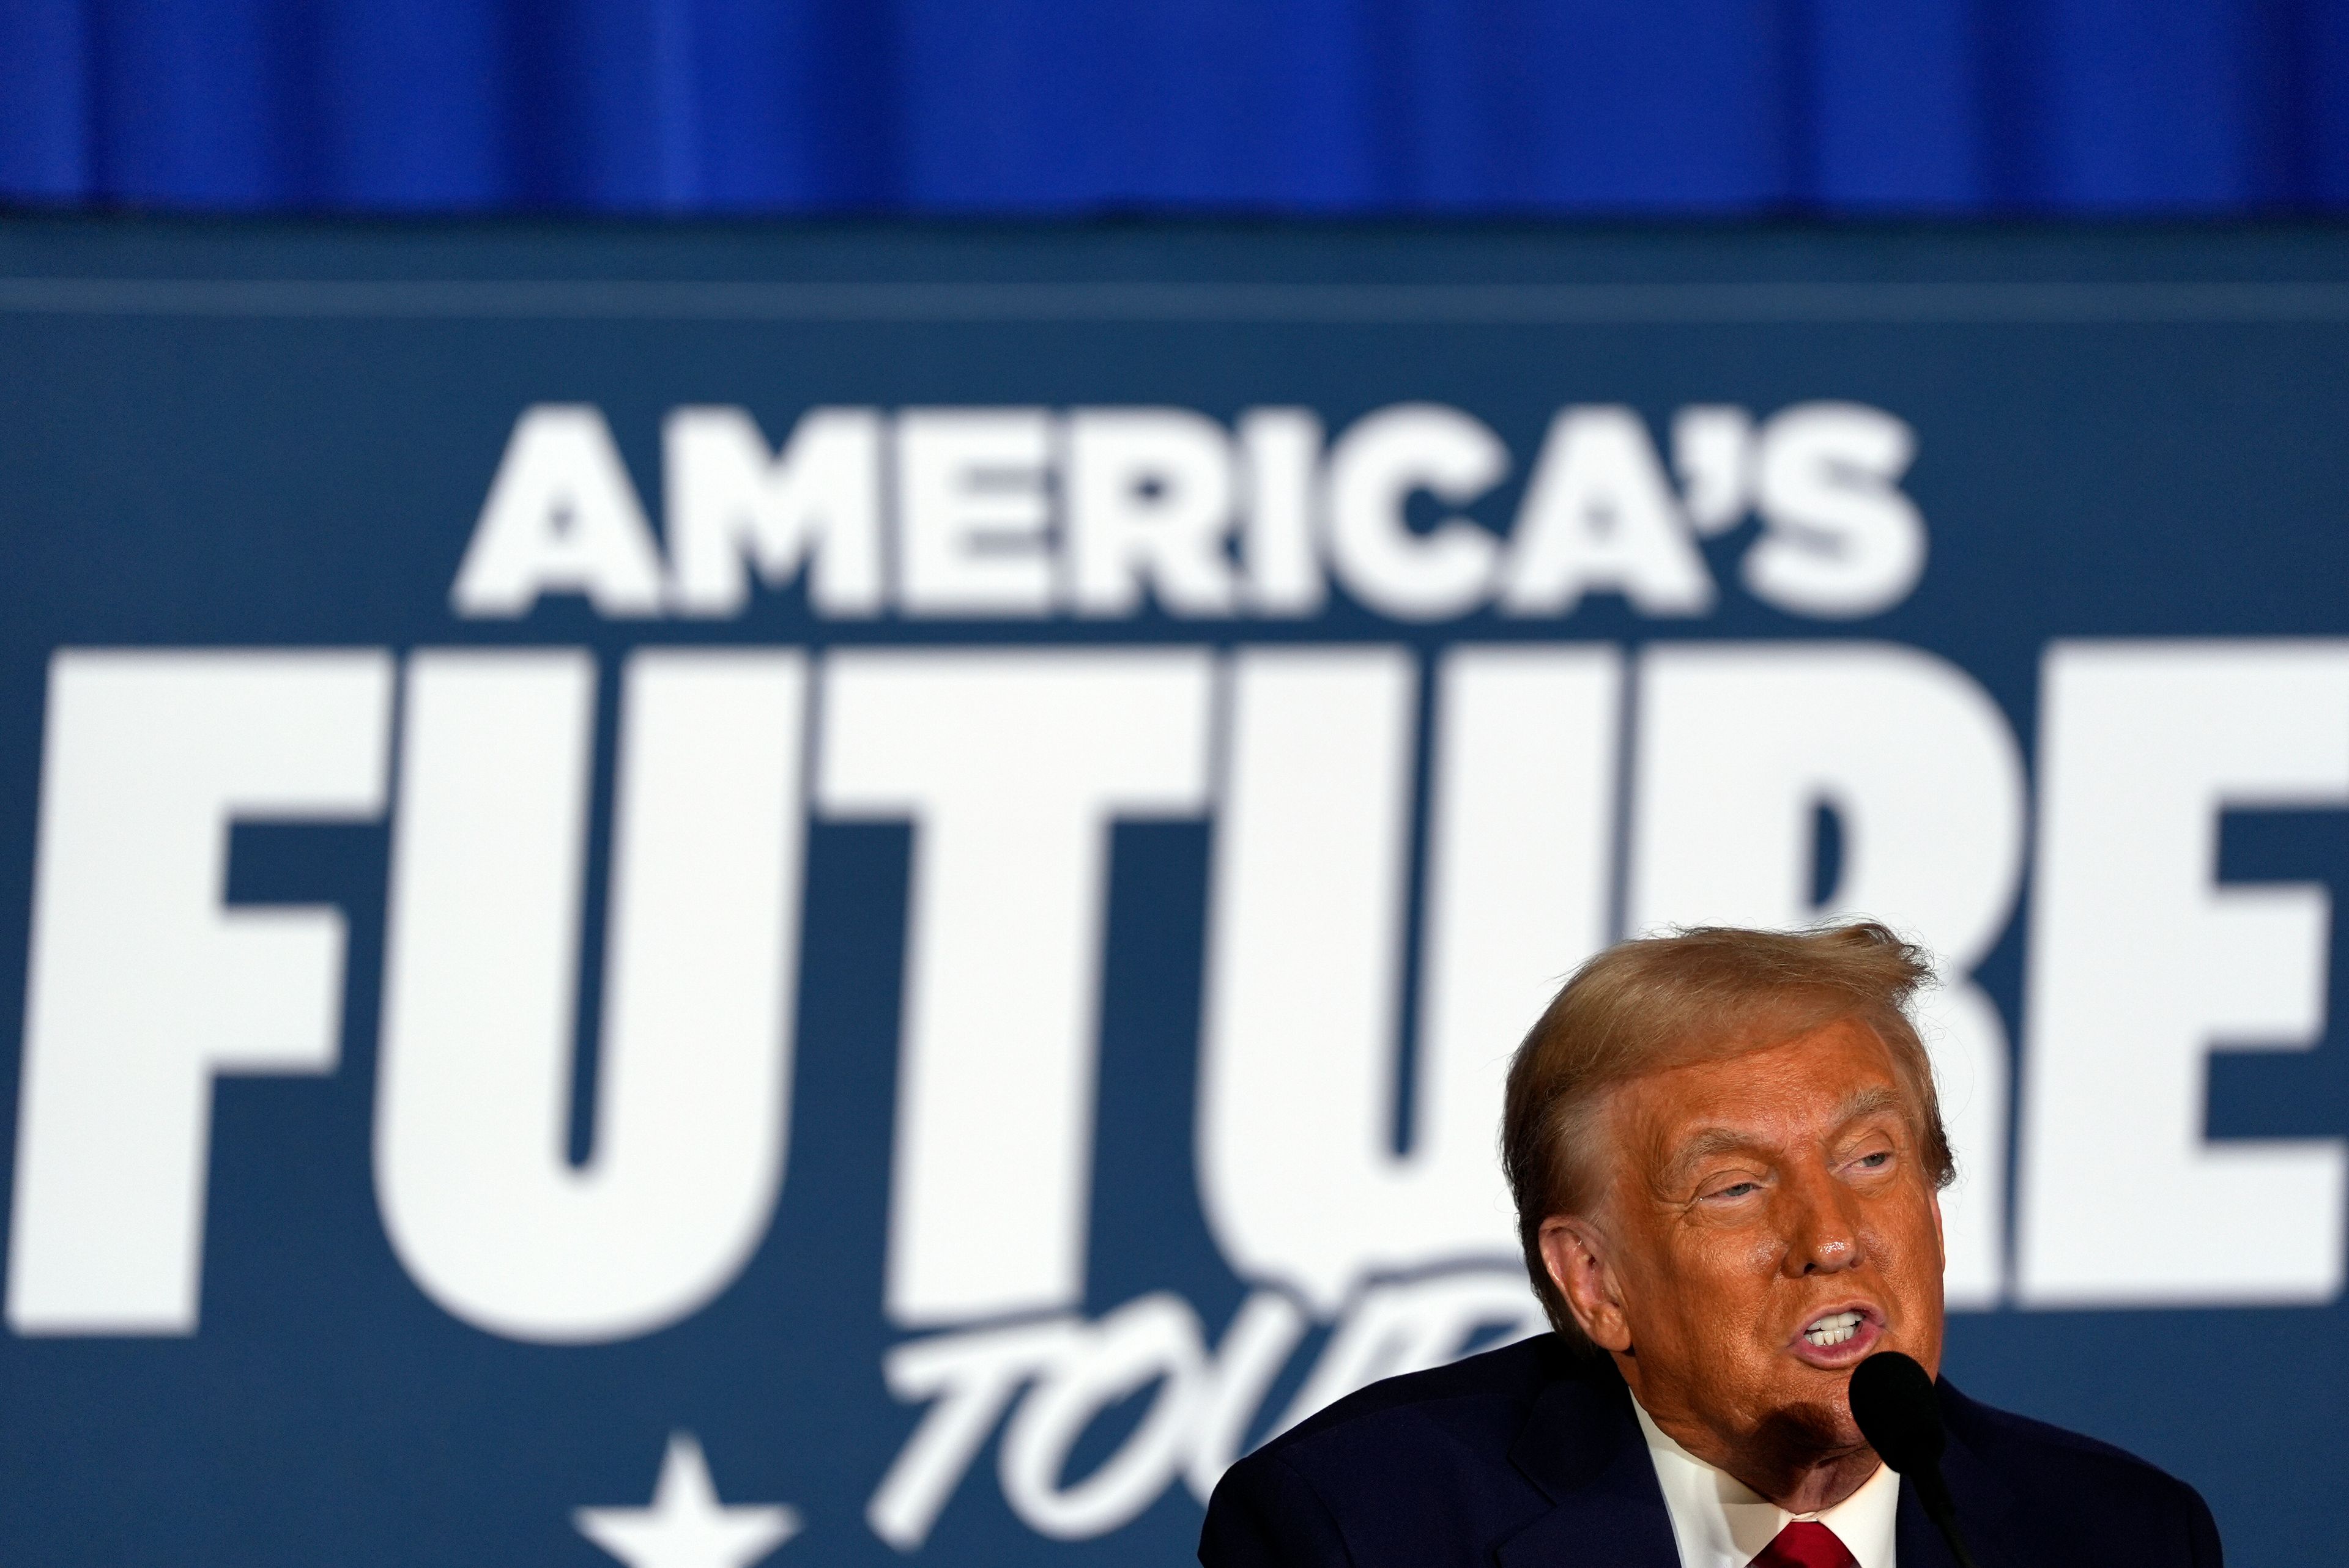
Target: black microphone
pixel 1892 1399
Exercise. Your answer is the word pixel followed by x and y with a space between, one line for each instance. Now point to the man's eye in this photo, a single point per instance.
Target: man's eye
pixel 1739 1190
pixel 1875 1162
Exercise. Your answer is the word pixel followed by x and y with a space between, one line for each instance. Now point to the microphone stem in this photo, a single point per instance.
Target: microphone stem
pixel 1942 1510
pixel 1957 1542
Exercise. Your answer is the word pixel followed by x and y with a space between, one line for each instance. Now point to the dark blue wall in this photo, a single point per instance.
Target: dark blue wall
pixel 1696 107
pixel 271 441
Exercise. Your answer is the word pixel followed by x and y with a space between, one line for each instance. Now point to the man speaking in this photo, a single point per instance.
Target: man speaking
pixel 1726 1156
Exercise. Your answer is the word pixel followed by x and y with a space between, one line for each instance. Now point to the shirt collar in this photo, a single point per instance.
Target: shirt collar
pixel 1719 1522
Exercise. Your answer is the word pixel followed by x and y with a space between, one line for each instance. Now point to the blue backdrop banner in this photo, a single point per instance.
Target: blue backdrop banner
pixel 859 895
pixel 1066 106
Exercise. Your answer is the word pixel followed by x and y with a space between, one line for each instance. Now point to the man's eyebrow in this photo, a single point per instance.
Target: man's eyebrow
pixel 1704 1145
pixel 1873 1100
pixel 1870 1101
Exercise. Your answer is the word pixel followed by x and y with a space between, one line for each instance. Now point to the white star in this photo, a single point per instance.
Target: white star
pixel 687 1526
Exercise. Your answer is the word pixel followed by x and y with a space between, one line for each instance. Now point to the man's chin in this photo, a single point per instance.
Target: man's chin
pixel 1800 1434
pixel 1786 1458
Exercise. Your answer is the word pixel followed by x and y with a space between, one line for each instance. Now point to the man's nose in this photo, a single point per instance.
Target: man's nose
pixel 1821 1230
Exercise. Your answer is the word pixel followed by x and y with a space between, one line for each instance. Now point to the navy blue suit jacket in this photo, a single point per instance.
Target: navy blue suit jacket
pixel 1529 1456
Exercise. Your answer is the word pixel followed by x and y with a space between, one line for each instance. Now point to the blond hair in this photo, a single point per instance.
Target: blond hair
pixel 1704 992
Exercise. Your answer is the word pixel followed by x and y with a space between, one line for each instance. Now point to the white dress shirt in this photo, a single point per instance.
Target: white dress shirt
pixel 1719 1522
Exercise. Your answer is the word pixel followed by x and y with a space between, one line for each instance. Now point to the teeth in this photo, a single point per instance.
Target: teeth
pixel 1834 1330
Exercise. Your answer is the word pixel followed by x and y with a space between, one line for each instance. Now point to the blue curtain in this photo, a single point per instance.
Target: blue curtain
pixel 1043 107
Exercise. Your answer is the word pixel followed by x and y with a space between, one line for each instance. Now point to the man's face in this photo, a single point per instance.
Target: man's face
pixel 1770 1223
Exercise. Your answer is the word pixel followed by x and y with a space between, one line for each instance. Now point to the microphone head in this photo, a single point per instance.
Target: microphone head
pixel 1892 1399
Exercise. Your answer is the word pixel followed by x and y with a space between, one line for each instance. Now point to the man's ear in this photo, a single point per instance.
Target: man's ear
pixel 1576 1255
pixel 1940 1237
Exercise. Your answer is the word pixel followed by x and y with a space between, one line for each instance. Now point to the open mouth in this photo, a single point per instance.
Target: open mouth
pixel 1833 1329
pixel 1839 1338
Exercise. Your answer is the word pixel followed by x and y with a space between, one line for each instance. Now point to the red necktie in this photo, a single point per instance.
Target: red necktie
pixel 1806 1543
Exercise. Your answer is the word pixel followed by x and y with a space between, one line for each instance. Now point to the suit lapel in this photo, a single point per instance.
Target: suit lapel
pixel 1582 1448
